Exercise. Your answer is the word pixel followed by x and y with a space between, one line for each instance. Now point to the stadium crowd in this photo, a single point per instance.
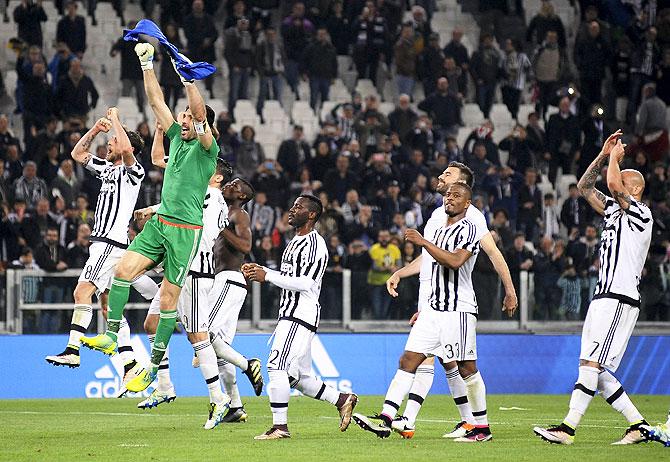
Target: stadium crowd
pixel 374 172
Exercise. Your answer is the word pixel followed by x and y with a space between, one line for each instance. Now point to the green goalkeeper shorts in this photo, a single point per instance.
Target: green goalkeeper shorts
pixel 174 244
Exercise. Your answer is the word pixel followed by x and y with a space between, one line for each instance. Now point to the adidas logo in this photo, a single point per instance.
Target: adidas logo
pixel 471 352
pixel 159 345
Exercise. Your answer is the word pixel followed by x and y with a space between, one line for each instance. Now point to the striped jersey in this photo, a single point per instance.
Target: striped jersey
pixel 451 289
pixel 214 218
pixel 116 202
pixel 304 256
pixel 624 245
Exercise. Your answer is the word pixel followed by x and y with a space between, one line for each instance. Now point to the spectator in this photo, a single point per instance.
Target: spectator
pixel 430 64
pixel 66 185
pixel 201 34
pixel 544 22
pixel 415 167
pixel 84 212
pixel 296 31
pixel 29 17
pixel 270 176
pixel 420 22
pixel 592 56
pixel 549 64
pixel 331 299
pixel 643 64
pixel 131 72
pixel 38 103
pixel 571 298
pixel 351 206
pixel 654 285
pixel 392 204
pixel 455 49
pixel 169 79
pixel 13 164
pixel 48 168
pixel 445 110
pixel 239 12
pixel 339 28
pixel 270 59
pixel 371 126
pixel 536 135
pixel 338 181
pixel 575 212
pixel 403 118
pixel 530 205
pixel 359 262
pixel 500 224
pixel 563 139
pixel 520 148
pixel 250 154
pixel 386 259
pixel 516 67
pixel 485 69
pixel 60 63
pixel 453 151
pixel 7 138
pixel 548 265
pixel 590 15
pixel 263 217
pixel 406 60
pixel 319 63
pixel 518 258
pixel 239 54
pixel 651 129
pixel 346 122
pixel 77 250
pixel 503 189
pixel 483 134
pixel 480 166
pixel 294 152
pixel 486 283
pixel 34 227
pixel 29 188
pixel 455 76
pixel 76 94
pixel 620 67
pixel 50 256
pixel 550 226
pixel 370 32
pixel 71 30
pixel 322 161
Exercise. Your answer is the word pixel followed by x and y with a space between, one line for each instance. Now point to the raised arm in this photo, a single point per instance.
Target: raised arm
pixel 587 182
pixel 81 151
pixel 157 148
pixel 489 246
pixel 122 138
pixel 241 237
pixel 145 52
pixel 614 181
pixel 197 106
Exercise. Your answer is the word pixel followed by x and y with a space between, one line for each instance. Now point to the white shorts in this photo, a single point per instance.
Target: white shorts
pixel 226 300
pixel 451 335
pixel 99 268
pixel 291 349
pixel 607 328
pixel 193 305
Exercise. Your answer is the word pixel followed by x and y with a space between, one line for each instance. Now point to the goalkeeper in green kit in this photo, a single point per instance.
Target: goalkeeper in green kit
pixel 173 234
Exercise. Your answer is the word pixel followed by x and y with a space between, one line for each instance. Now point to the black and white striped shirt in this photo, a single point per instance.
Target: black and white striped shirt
pixel 451 289
pixel 624 244
pixel 303 263
pixel 118 195
pixel 214 219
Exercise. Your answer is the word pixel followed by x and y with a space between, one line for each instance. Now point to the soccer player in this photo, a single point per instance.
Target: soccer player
pixel 660 432
pixel 228 294
pixel 460 388
pixel 173 234
pixel 121 176
pixel 612 314
pixel 447 326
pixel 193 307
pixel 290 363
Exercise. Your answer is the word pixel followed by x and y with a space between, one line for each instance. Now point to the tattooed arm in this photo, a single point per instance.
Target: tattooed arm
pixel 587 182
pixel 614 181
pixel 81 152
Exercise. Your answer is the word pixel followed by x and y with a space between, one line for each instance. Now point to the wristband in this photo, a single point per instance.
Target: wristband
pixel 154 208
pixel 199 127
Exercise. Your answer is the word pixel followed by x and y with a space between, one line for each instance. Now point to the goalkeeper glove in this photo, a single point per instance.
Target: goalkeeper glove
pixel 145 51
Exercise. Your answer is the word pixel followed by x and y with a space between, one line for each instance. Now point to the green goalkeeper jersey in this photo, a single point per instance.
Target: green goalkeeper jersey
pixel 189 168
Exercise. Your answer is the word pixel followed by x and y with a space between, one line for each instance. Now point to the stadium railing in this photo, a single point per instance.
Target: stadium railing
pixel 340 299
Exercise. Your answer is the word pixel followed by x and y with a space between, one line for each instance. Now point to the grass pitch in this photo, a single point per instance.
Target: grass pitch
pixel 74 430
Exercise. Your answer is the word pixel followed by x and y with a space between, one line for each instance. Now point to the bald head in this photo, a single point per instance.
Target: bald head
pixel 633 181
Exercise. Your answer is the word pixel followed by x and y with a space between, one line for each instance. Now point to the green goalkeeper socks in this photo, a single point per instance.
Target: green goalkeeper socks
pixel 118 297
pixel 166 325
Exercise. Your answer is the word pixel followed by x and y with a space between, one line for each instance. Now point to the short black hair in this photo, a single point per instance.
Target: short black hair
pixel 466 173
pixel 463 186
pixel 225 169
pixel 314 205
pixel 572 185
pixel 250 192
pixel 548 196
pixel 136 142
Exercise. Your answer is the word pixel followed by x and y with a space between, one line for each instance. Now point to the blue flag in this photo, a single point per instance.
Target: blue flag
pixel 188 69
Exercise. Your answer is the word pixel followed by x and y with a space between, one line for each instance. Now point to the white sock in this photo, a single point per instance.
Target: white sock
pixel 229 354
pixel 400 386
pixel 313 387
pixel 477 397
pixel 210 370
pixel 125 349
pixel 279 391
pixel 164 382
pixel 145 286
pixel 228 375
pixel 667 423
pixel 459 391
pixel 423 380
pixel 585 388
pixel 81 319
pixel 610 389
